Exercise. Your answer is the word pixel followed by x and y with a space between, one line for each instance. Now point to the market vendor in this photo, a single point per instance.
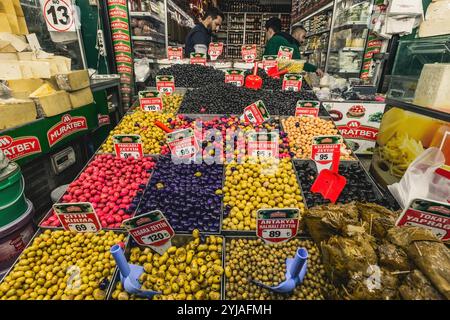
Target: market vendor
pixel 276 38
pixel 199 37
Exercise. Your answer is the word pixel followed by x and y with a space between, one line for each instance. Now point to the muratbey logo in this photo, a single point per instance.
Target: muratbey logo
pixel 120 47
pixel 117 2
pixel 117 24
pixel 120 36
pixel 68 126
pixel 117 13
pixel 19 148
pixel 124 69
pixel 123 58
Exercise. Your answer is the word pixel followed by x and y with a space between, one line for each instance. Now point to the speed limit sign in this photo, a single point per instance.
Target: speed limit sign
pixel 58 15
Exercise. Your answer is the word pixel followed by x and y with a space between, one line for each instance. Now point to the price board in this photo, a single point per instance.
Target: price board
pixel 150 101
pixel 175 54
pixel 292 82
pixel 326 152
pixel 432 215
pixel 165 84
pixel 249 53
pixel 277 225
pixel 198 58
pixel 77 217
pixel 183 143
pixel 269 61
pixel 256 113
pixel 307 108
pixel 235 76
pixel 151 229
pixel 215 50
pixel 128 145
pixel 263 144
pixel 285 53
pixel 58 15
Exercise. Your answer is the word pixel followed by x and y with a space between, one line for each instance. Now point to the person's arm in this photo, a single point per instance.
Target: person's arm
pixel 201 41
pixel 310 67
pixel 272 47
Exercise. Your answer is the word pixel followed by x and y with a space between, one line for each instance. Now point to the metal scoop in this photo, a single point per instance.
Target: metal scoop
pixel 329 184
pixel 295 273
pixel 129 274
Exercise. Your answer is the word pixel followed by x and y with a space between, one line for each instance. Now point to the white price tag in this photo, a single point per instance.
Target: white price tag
pixel 82 227
pixel 151 108
pixel 262 153
pixel 126 155
pixel 155 237
pixel 185 151
pixel 277 233
pixel 323 156
pixel 59 15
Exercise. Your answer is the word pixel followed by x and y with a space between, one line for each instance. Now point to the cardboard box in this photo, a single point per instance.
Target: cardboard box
pixel 14 112
pixel 53 104
pixel 81 98
pixel 73 81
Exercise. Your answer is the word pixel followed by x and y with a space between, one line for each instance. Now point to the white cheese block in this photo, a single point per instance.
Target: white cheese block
pixel 40 69
pixel 27 55
pixel 18 42
pixel 8 56
pixel 10 70
pixel 433 87
pixel 27 71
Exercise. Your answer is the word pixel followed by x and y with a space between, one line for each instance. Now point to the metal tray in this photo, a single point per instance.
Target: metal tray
pixel 177 240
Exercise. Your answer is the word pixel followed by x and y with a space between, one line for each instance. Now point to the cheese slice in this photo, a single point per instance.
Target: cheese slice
pixel 4 24
pixel 18 42
pixel 27 71
pixel 81 98
pixel 6 47
pixel 8 56
pixel 433 87
pixel 10 70
pixel 40 69
pixel 23 29
pixel 25 85
pixel 42 91
pixel 15 112
pixel 26 55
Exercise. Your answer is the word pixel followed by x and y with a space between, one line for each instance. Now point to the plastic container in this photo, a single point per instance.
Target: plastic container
pixel 14 237
pixel 12 199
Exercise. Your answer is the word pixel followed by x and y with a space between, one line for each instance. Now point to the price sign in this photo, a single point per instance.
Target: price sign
pixel 262 144
pixel 326 151
pixel 249 53
pixel 183 143
pixel 165 84
pixel 150 101
pixel 256 113
pixel 77 217
pixel 292 82
pixel 285 53
pixel 151 229
pixel 215 50
pixel 128 145
pixel 277 225
pixel 58 15
pixel 175 54
pixel 428 214
pixel 235 76
pixel 307 109
pixel 198 58
pixel 269 62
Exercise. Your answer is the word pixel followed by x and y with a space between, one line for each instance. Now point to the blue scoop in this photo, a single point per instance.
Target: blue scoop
pixel 129 274
pixel 295 273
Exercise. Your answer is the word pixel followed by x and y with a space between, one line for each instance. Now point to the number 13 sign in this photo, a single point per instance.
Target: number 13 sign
pixel 58 15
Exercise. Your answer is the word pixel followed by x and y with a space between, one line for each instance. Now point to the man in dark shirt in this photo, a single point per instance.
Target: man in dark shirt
pixel 199 37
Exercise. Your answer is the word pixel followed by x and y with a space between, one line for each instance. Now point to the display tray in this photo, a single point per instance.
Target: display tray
pixel 177 240
pixel 50 212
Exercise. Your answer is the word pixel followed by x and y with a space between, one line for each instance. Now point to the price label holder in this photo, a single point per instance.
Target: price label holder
pixel 326 152
pixel 307 109
pixel 152 230
pixel 77 217
pixel 263 144
pixel 249 53
pixel 277 225
pixel 285 53
pixel 175 54
pixel 165 84
pixel 128 145
pixel 269 61
pixel 256 113
pixel 198 58
pixel 183 143
pixel 428 214
pixel 235 76
pixel 292 82
pixel 150 101
pixel 58 15
pixel 215 50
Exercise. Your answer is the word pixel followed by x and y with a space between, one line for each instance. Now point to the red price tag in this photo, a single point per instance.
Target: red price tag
pixel 285 53
pixel 150 101
pixel 215 50
pixel 77 217
pixel 249 53
pixel 269 62
pixel 198 58
pixel 235 76
pixel 326 152
pixel 264 145
pixel 175 53
pixel 277 225
pixel 307 109
pixel 256 113
pixel 127 146
pixel 165 84
pixel 292 82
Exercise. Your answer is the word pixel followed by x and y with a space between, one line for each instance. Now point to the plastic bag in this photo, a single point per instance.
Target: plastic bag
pixel 422 181
pixel 142 70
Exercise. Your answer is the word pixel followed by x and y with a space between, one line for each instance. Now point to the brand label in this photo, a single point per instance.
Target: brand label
pixel 292 82
pixel 118 24
pixel 249 53
pixel 150 101
pixel 256 113
pixel 165 84
pixel 175 53
pixel 277 225
pixel 122 68
pixel 269 62
pixel 18 148
pixel 103 120
pixel 215 50
pixel 123 58
pixel 326 152
pixel 285 53
pixel 77 217
pixel 127 146
pixel 183 143
pixel 117 2
pixel 235 76
pixel 117 12
pixel 307 109
pixel 66 127
pixel 198 58
pixel 263 145
pixel 117 36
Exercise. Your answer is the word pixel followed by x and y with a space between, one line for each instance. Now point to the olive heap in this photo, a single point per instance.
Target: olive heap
pixel 187 272
pixel 143 124
pixel 250 259
pixel 171 103
pixel 359 187
pixel 270 83
pixel 187 194
pixel 190 75
pixel 257 184
pixel 60 265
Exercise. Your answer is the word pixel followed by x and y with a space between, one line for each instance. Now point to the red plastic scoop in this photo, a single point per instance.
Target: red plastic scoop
pixel 329 184
pixel 275 73
pixel 163 127
pixel 253 81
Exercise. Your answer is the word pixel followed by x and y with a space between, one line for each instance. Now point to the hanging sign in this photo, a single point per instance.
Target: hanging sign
pixel 307 108
pixel 256 113
pixel 77 217
pixel 277 225
pixel 198 58
pixel 151 229
pixel 428 214
pixel 165 84
pixel 128 145
pixel 326 152
pixel 58 15
pixel 249 53
pixel 285 53
pixel 183 143
pixel 20 147
pixel 215 50
pixel 175 54
pixel 150 101
pixel 263 144
pixel 235 76
pixel 269 62
pixel 292 82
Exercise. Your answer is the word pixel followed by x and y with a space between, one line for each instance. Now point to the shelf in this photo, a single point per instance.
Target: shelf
pixel 312 14
pixel 355 24
pixel 337 70
pixel 349 49
pixel 182 12
pixel 317 33
pixel 147 38
pixel 146 14
pixel 150 60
